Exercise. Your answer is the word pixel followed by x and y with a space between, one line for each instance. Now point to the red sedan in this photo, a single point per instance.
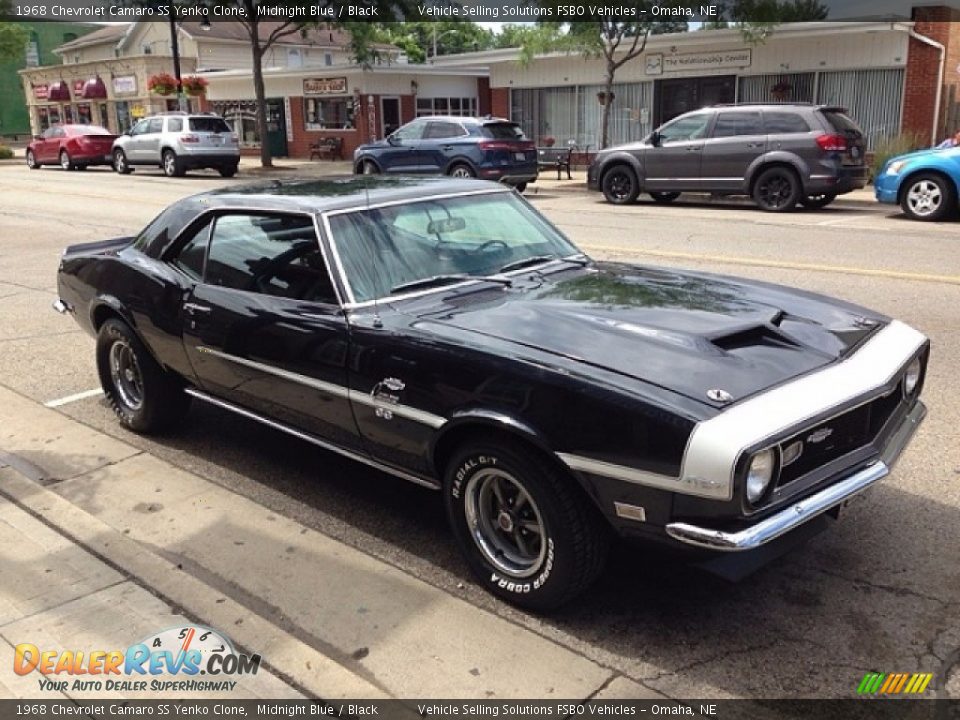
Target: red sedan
pixel 72 147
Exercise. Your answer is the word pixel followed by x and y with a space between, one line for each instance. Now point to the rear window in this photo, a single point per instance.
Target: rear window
pixel 209 124
pixel 503 131
pixel 781 123
pixel 841 122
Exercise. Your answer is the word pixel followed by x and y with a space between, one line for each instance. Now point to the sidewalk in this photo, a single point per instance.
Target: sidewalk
pixel 107 545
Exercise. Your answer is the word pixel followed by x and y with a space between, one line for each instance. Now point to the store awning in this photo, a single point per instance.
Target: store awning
pixel 94 89
pixel 59 91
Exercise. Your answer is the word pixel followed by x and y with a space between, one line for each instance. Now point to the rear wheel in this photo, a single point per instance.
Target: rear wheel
pixel 928 197
pixel 815 202
pixel 32 160
pixel 664 197
pixel 65 162
pixel 523 526
pixel 172 167
pixel 521 187
pixel 228 171
pixel 120 163
pixel 620 185
pixel 461 170
pixel 144 397
pixel 777 190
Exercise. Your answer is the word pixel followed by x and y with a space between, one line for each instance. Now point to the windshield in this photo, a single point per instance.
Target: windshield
pixel 388 247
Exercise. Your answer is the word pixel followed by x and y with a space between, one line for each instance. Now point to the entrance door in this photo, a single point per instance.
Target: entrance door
pixel 276 128
pixel 389 114
pixel 675 97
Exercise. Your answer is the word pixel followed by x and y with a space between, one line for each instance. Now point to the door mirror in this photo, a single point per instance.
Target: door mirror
pixel 394 140
pixel 38 137
pixel 655 138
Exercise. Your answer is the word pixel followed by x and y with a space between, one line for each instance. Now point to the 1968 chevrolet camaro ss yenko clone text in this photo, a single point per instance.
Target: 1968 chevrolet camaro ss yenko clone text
pixel 445 332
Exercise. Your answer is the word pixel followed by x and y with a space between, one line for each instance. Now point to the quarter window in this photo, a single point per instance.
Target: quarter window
pixel 270 254
pixel 784 123
pixel 438 130
pixel 733 124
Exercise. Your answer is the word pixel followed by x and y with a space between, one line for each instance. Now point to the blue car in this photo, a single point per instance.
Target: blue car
pixel 486 148
pixel 924 183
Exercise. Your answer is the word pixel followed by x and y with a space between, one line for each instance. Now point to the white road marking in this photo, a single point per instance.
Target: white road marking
pixel 73 398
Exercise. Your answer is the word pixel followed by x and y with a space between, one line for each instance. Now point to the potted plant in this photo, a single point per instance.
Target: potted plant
pixel 549 141
pixel 194 85
pixel 781 91
pixel 162 84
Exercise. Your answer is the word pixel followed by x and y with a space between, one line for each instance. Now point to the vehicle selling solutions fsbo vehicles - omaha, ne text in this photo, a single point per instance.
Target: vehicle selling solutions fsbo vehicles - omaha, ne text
pixel 445 332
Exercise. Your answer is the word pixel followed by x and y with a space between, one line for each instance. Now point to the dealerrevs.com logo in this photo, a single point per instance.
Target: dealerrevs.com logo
pixel 170 661
pixel 894 683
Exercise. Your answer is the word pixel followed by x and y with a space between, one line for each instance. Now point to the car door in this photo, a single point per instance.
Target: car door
pixel 737 139
pixel 401 154
pixel 674 162
pixel 443 142
pixel 132 146
pixel 263 327
pixel 46 148
pixel 148 144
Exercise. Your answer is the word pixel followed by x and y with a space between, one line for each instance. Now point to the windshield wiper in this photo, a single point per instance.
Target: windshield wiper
pixel 434 280
pixel 537 259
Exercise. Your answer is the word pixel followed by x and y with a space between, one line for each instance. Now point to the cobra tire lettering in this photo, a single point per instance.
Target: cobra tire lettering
pixel 525 587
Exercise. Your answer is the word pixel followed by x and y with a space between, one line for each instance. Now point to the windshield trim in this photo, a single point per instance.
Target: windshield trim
pixel 351 301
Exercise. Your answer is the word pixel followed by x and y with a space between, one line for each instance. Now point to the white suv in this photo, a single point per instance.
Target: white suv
pixel 178 142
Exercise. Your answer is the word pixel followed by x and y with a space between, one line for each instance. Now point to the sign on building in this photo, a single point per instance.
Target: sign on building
pixel 325 86
pixel 658 63
pixel 125 85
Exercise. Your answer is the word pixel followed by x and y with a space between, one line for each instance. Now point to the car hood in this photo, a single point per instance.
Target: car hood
pixel 926 152
pixel 693 334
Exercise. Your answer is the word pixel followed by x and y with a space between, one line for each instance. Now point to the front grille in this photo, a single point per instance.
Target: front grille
pixel 834 438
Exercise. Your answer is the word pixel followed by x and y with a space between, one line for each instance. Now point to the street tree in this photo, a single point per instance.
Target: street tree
pixel 13 41
pixel 421 40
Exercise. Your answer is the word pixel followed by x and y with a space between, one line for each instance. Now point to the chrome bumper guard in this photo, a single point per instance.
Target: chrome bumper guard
pixel 801 512
pixel 61 307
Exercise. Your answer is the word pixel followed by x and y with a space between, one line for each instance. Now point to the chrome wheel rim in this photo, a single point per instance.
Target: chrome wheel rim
pixel 776 191
pixel 125 373
pixel 461 172
pixel 31 159
pixel 169 164
pixel 64 161
pixel 119 161
pixel 505 523
pixel 620 186
pixel 924 198
pixel 369 168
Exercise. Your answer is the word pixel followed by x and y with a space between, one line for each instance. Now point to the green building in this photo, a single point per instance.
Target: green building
pixel 44 37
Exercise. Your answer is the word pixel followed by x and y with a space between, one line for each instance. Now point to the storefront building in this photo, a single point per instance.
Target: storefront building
pixel 350 103
pixel 894 77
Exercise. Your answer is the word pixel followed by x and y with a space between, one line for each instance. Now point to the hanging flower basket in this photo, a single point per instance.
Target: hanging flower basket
pixel 549 141
pixel 194 85
pixel 781 91
pixel 162 84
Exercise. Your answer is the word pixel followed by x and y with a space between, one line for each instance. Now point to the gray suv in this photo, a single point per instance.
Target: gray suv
pixel 177 142
pixel 779 155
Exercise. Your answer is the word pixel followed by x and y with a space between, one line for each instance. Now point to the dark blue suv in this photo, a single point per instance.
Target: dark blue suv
pixel 486 148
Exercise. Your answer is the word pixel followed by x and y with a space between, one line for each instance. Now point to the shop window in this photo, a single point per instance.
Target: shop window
pixel 461 107
pixel 84 114
pixel 328 114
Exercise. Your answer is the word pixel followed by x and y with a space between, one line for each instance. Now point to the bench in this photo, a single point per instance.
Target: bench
pixel 328 148
pixel 558 158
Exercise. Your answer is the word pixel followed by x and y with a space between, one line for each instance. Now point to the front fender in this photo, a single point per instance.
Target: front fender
pixel 621 158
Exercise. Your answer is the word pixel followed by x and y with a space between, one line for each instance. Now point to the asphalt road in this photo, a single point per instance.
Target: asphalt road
pixel 880 591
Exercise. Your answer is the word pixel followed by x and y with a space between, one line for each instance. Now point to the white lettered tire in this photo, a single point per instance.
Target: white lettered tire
pixel 525 527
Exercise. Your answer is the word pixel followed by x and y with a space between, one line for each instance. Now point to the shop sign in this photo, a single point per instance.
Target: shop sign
pixel 138 111
pixel 325 86
pixel 41 92
pixel 125 85
pixel 658 63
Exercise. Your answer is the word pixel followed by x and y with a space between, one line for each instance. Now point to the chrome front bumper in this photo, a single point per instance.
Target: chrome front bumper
pixel 61 307
pixel 801 512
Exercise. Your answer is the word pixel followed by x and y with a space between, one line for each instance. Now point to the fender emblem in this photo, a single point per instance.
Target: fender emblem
pixel 718 395
pixel 820 435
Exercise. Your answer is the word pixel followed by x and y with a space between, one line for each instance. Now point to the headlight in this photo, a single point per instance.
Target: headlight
pixel 894 168
pixel 760 473
pixel 912 377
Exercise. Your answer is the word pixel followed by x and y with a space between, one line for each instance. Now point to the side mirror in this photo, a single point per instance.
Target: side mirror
pixel 38 137
pixel 655 138
pixel 394 140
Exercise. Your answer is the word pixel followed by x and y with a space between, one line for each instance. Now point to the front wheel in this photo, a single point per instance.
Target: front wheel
pixel 142 394
pixel 664 197
pixel 172 166
pixel 462 171
pixel 521 187
pixel 928 197
pixel 65 162
pixel 620 185
pixel 120 163
pixel 368 167
pixel 32 160
pixel 777 190
pixel 228 171
pixel 815 202
pixel 524 527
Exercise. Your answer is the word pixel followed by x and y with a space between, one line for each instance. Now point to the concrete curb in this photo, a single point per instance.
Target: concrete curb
pixel 290 658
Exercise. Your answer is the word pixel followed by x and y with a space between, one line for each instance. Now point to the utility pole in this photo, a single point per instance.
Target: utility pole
pixel 175 48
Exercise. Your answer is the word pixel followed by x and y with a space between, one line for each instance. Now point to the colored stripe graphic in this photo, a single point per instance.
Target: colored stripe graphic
pixel 894 683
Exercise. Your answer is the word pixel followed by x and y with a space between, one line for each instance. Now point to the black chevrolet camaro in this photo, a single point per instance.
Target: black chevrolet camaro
pixel 445 332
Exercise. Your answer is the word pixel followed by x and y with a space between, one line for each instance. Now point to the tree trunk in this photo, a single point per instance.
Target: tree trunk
pixel 260 93
pixel 605 110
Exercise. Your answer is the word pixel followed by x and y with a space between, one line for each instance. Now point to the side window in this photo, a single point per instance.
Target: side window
pixel 437 130
pixel 191 256
pixel 139 128
pixel 782 123
pixel 175 125
pixel 412 131
pixel 155 125
pixel 49 133
pixel 271 254
pixel 732 124
pixel 59 133
pixel 691 127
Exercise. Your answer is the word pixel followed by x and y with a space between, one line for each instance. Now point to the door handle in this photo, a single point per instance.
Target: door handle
pixel 695 148
pixel 447 147
pixel 194 308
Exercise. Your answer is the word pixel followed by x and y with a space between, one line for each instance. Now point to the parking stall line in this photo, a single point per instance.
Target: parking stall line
pixel 59 402
pixel 760 262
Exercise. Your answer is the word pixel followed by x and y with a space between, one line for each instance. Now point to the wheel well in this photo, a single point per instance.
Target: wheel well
pixel 461 161
pixel 909 178
pixel 102 313
pixel 446 446
pixel 611 165
pixel 767 166
pixel 359 166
